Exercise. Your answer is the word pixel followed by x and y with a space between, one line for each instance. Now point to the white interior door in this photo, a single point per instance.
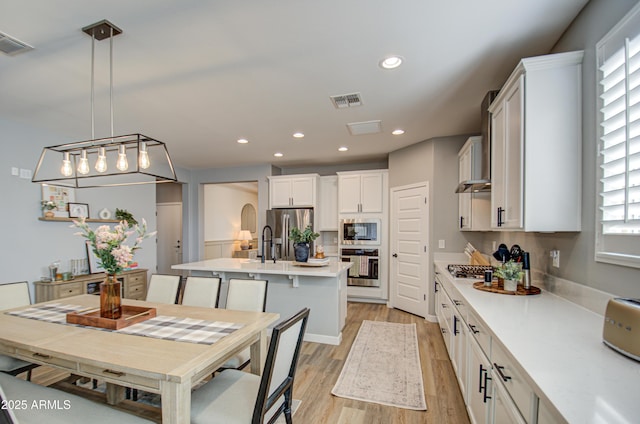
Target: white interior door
pixel 409 251
pixel 169 221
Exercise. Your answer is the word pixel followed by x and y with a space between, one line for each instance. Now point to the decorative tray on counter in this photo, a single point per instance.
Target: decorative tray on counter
pixel 130 315
pixel 495 288
pixel 310 263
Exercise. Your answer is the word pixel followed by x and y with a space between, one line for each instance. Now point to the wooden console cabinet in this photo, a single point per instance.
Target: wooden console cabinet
pixel 134 286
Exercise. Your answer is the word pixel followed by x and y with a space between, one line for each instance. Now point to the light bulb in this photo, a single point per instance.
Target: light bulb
pixel 83 164
pixel 143 156
pixel 101 163
pixel 122 163
pixel 67 169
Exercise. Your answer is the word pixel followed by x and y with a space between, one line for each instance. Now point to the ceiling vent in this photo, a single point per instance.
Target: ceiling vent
pixel 346 100
pixel 12 46
pixel 362 128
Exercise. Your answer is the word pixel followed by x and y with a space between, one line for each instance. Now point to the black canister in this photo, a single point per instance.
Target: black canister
pixel 488 277
pixel 526 280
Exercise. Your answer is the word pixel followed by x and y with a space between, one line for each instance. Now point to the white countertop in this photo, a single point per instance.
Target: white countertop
pixel 334 269
pixel 559 345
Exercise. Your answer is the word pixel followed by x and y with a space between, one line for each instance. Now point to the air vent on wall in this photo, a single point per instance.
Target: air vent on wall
pixel 12 46
pixel 346 100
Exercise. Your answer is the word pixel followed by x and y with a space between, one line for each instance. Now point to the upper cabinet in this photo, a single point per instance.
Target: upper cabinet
pixel 327 215
pixel 362 191
pixel 289 191
pixel 473 208
pixel 536 141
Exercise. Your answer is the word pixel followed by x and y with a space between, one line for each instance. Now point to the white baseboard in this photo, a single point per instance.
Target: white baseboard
pixel 431 318
pixel 321 338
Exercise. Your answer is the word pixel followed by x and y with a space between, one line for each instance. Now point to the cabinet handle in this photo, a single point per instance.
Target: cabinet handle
pixel 41 355
pixel 500 212
pixel 457 302
pixel 480 379
pixel 499 368
pixel 435 287
pixel 486 386
pixel 473 329
pixel 462 222
pixel 455 325
pixel 444 331
pixel 116 373
pixel 444 306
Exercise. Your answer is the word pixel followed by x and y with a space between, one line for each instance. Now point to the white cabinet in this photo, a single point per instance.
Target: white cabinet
pixel 327 213
pixel 536 146
pixel 362 192
pixel 292 191
pixel 479 389
pixel 504 410
pixel 474 208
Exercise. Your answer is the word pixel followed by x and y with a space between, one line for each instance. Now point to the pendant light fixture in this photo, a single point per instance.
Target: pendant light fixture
pixel 106 161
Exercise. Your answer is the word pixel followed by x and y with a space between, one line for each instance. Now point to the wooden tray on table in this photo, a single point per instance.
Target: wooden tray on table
pixel 130 315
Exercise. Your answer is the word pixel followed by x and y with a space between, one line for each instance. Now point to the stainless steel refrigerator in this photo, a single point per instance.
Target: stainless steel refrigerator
pixel 281 221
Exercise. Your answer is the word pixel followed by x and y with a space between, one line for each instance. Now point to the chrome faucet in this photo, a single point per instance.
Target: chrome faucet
pixel 264 254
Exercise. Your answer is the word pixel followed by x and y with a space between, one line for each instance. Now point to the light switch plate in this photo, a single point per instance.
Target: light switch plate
pixel 25 173
pixel 14 171
pixel 441 244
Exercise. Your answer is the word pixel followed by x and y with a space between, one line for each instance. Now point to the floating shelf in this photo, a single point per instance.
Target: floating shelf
pixel 58 219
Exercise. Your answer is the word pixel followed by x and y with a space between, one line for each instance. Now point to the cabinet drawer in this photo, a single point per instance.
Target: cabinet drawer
pixel 138 278
pixel 505 370
pixel 135 291
pixel 118 377
pixel 46 359
pixel 68 290
pixel 479 332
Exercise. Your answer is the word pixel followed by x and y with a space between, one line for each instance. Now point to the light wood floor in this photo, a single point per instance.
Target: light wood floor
pixel 320 366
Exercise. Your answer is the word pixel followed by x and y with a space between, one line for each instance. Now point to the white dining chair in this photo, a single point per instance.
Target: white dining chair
pixel 163 288
pixel 245 295
pixel 14 295
pixel 225 398
pixel 201 291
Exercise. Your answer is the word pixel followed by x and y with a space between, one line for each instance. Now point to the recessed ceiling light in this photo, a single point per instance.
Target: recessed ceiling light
pixel 242 141
pixel 298 135
pixel 397 132
pixel 278 154
pixel 343 148
pixel 391 62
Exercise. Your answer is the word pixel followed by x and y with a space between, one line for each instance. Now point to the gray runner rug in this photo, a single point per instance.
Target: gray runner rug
pixel 383 367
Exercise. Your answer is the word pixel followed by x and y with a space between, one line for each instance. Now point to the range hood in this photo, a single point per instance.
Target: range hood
pixel 481 175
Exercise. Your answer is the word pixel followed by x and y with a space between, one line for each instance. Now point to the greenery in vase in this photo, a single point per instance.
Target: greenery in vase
pixel 108 244
pixel 47 205
pixel 305 236
pixel 124 215
pixel 511 270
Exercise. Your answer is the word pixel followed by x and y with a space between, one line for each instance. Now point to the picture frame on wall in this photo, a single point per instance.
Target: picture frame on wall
pixel 61 197
pixel 94 263
pixel 78 210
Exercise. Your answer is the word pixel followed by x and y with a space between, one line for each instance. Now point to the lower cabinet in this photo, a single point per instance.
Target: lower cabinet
pixel 492 385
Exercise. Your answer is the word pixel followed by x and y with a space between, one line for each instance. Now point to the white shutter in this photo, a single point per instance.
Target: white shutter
pixel 618 223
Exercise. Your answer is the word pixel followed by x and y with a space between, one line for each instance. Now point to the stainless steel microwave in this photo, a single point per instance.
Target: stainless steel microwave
pixel 360 231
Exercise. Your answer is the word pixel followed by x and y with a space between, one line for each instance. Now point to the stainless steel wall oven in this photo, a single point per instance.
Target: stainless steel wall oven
pixel 364 271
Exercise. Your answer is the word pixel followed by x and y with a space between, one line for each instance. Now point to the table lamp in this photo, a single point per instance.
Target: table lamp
pixel 244 237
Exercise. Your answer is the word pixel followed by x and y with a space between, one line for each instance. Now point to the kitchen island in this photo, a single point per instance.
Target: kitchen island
pixel 323 289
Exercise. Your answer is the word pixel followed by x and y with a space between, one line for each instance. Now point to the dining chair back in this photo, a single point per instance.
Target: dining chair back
pixel 225 397
pixel 247 295
pixel 201 291
pixel 163 288
pixel 14 295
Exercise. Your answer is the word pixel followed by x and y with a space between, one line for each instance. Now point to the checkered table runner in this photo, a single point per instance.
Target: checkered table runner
pixel 161 327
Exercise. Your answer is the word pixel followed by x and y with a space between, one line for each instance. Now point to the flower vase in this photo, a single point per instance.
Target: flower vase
pixel 49 214
pixel 301 252
pixel 110 298
pixel 510 285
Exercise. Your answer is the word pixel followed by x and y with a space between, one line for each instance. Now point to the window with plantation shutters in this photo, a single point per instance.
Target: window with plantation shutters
pixel 618 223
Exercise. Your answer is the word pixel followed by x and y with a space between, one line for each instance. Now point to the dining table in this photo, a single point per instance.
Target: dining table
pixel 168 354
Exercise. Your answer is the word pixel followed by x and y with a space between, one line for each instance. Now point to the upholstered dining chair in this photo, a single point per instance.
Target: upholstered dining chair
pixel 201 291
pixel 225 398
pixel 163 288
pixel 245 295
pixel 13 295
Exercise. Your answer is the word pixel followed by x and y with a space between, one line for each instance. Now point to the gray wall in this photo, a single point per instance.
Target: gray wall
pixel 30 245
pixel 577 249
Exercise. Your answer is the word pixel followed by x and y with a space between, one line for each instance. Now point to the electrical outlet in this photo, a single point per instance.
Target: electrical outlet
pixel 494 246
pixel 555 258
